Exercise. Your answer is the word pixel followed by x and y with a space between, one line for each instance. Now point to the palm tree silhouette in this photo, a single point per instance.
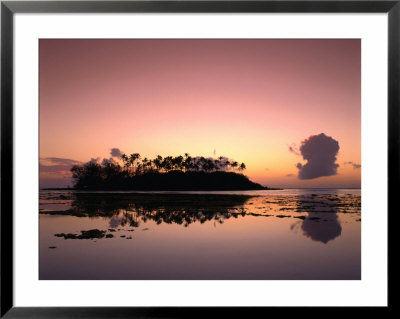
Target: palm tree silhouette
pixel 234 164
pixel 132 159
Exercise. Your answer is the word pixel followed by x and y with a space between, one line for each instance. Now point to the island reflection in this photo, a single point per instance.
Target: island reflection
pixel 318 214
pixel 135 232
pixel 132 209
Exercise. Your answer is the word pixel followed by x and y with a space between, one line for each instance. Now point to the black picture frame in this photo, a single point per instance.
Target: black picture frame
pixel 9 8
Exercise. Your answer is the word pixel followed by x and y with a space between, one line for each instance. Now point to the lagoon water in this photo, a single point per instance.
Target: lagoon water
pixel 291 234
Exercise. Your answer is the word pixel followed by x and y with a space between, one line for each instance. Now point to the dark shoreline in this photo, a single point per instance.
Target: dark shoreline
pixel 154 190
pixel 168 181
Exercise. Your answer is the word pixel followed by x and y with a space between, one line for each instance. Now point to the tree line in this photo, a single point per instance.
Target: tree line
pixel 135 164
pixel 93 174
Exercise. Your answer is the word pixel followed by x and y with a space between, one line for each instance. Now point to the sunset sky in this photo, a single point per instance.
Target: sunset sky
pixel 254 101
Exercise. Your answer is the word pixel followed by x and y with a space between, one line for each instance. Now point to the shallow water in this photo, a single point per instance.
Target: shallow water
pixel 274 234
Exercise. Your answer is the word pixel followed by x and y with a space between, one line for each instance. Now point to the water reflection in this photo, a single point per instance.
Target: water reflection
pixel 322 226
pixel 129 210
pixel 255 242
pixel 132 209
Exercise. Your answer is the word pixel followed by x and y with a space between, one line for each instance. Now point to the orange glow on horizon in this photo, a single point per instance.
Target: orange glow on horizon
pixel 247 99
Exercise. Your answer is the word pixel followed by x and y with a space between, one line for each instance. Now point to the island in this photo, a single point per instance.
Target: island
pixel 170 173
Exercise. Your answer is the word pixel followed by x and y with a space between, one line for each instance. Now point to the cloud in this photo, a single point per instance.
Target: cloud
pixel 94 160
pixel 55 171
pixel 355 165
pixel 294 149
pixel 320 152
pixel 115 152
pixel 51 161
pixel 56 165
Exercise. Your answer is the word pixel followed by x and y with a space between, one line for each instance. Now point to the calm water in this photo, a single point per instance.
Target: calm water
pixel 276 234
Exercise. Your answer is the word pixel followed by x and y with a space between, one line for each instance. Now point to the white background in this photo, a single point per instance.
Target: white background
pixel 370 291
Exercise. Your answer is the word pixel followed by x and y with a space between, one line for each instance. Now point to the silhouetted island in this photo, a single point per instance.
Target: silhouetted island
pixel 180 173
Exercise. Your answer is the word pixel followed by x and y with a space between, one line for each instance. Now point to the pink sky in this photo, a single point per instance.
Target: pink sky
pixel 247 99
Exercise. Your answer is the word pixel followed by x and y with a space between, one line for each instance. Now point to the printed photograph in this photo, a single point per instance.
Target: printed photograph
pixel 199 159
